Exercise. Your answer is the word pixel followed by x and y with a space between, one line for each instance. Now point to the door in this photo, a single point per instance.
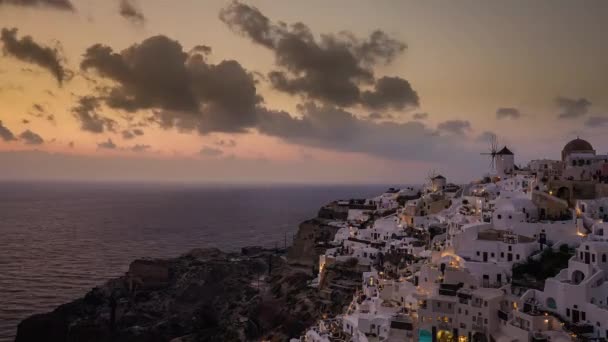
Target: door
pixel 485 256
pixel 575 315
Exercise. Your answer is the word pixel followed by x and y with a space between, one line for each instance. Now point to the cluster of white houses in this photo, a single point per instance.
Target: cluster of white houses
pixel 520 255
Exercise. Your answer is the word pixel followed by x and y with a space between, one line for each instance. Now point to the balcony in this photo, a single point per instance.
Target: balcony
pixel 479 328
pixel 581 329
pixel 444 326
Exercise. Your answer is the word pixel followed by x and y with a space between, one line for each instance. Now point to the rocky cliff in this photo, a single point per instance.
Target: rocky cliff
pixel 311 241
pixel 204 295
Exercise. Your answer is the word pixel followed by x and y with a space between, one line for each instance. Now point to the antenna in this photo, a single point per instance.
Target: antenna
pixel 492 152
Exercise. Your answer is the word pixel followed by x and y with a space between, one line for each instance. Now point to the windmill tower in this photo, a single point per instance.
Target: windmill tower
pixel 436 181
pixel 505 162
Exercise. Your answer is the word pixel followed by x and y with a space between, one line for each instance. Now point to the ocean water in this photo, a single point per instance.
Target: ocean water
pixel 58 240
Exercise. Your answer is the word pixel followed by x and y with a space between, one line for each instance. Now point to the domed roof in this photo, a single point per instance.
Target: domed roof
pixel 575 146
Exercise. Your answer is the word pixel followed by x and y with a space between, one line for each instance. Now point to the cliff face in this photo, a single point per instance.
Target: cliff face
pixel 205 295
pixel 310 242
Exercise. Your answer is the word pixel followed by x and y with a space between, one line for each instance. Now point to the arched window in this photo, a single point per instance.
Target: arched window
pixel 551 303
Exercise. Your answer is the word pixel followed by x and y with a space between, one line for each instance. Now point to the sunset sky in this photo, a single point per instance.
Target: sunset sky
pixel 286 91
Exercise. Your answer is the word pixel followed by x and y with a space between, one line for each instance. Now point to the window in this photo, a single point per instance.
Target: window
pixel 477 253
pixel 593 257
pixel 568 312
pixel 510 248
pixel 502 254
pixel 604 257
pixel 551 303
pixel 499 216
pixel 517 256
pixel 492 254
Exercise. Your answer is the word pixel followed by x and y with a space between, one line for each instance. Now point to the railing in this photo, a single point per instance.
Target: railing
pixel 479 327
pixel 444 326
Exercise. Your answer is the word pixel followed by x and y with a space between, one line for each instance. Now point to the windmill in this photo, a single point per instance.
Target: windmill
pixel 430 176
pixel 492 152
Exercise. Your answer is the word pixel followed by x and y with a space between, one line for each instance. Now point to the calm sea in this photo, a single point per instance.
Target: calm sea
pixel 57 240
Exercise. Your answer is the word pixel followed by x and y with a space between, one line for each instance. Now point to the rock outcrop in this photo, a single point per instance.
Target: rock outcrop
pixel 204 295
pixel 311 241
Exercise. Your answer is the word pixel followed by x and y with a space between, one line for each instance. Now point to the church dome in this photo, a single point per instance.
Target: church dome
pixel 576 145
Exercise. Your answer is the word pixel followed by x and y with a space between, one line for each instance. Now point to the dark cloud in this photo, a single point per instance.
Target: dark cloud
pixel 185 90
pixel 226 143
pixel 202 49
pixel 211 152
pixel 91 121
pixel 336 129
pixel 390 92
pixel 38 107
pixel 508 113
pixel 108 145
pixel 597 121
pixel 6 133
pixel 457 127
pixel 379 116
pixel 31 138
pixel 27 50
pixel 126 134
pixel 65 5
pixel 130 11
pixel 486 137
pixel 331 69
pixel 132 133
pixel 572 108
pixel 420 116
pixel 140 148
